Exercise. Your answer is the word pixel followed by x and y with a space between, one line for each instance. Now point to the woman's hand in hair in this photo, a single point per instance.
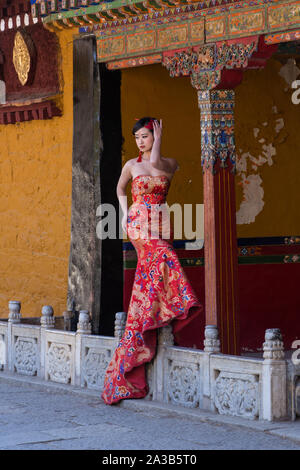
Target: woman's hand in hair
pixel 157 130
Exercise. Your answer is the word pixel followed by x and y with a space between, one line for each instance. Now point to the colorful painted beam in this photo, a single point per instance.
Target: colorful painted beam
pixel 131 29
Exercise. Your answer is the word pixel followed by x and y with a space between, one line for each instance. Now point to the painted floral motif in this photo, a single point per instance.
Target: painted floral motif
pixel 161 293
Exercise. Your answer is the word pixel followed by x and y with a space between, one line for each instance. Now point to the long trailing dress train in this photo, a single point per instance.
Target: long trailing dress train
pixel 161 292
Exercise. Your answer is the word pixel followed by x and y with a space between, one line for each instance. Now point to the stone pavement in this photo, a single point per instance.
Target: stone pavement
pixel 37 415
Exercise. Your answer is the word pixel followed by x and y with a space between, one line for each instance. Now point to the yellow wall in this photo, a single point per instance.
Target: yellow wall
pixel 263 102
pixel 35 204
pixel 149 91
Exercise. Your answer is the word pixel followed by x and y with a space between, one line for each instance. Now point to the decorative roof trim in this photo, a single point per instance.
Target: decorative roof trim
pixel 34 111
pixel 16 15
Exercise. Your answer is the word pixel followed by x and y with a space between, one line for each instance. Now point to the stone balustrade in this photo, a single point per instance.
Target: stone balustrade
pixel 249 387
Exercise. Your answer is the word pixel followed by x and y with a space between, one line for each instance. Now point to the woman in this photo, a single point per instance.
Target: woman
pixel 161 293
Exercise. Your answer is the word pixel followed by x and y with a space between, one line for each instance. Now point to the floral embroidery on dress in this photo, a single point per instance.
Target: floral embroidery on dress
pixel 161 292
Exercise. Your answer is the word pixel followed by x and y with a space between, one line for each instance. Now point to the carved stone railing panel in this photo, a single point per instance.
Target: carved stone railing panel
pixel 237 394
pixel 94 354
pixel 26 356
pixel 94 365
pixel 59 362
pixel 59 356
pixel 182 376
pixel 183 385
pixel 24 351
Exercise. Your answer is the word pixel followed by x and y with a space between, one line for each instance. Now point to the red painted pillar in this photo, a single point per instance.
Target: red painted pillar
pixel 220 237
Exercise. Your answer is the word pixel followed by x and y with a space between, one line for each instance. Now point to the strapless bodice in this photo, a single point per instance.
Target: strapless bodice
pixel 148 189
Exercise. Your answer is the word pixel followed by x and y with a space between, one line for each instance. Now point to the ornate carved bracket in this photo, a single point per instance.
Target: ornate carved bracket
pixel 215 70
pixel 205 63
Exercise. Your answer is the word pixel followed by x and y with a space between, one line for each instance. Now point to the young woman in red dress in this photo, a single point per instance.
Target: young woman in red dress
pixel 161 293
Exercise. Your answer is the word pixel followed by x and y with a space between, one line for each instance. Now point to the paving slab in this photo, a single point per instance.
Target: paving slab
pixel 39 415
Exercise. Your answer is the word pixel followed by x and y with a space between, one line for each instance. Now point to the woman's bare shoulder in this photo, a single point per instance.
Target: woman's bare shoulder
pixel 130 162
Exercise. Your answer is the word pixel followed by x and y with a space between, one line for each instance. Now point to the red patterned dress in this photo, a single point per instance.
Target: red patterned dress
pixel 161 292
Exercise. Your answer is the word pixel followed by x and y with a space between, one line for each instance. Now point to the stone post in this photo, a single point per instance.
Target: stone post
pixel 47 318
pixel 14 318
pixel 165 339
pixel 274 394
pixel 14 311
pixel 84 325
pixel 120 324
pixel 211 341
pixel 211 346
pixel 47 321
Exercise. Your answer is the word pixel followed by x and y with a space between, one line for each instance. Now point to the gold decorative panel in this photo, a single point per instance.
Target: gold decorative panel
pixel 22 57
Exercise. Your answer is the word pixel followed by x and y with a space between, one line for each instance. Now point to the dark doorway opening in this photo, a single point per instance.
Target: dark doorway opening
pixel 110 170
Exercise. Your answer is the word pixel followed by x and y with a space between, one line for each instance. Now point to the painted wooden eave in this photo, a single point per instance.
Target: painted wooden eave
pixel 130 29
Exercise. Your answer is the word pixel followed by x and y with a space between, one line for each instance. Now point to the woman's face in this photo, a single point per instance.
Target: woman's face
pixel 144 139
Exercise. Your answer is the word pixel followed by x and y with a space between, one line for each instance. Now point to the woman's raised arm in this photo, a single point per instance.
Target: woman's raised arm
pixel 168 165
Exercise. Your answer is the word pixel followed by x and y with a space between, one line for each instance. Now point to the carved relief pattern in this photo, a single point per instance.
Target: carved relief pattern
pixel 186 62
pixel 237 394
pixel 174 35
pixel 252 21
pixel 111 47
pixel 217 127
pixel 59 362
pixel 235 55
pixel 141 42
pixel 25 356
pixel 182 383
pixel 95 363
pixel 209 58
pixel 206 80
pixel 284 14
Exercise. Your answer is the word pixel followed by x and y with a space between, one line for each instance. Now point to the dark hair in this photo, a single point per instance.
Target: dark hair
pixel 142 123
